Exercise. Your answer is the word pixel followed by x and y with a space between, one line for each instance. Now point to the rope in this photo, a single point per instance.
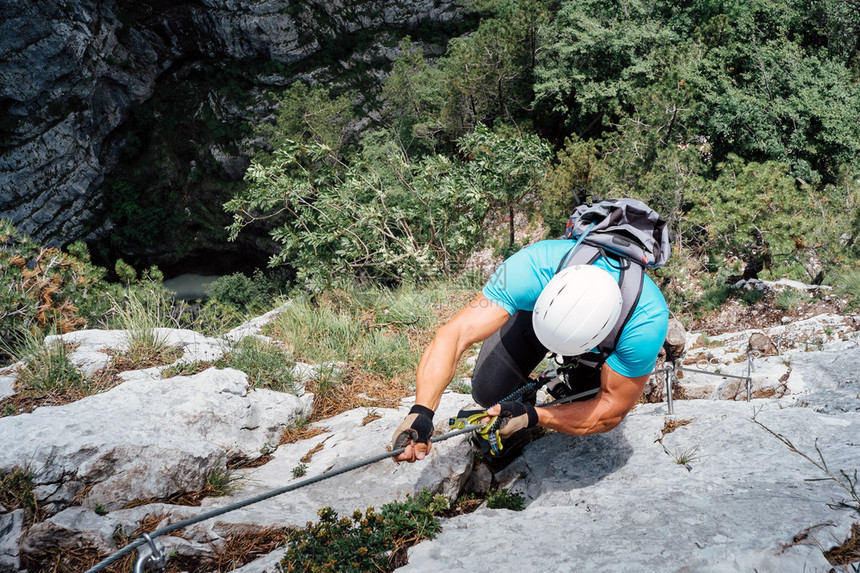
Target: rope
pixel 264 496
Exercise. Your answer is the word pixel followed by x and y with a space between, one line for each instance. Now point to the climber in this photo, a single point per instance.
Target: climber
pixel 550 297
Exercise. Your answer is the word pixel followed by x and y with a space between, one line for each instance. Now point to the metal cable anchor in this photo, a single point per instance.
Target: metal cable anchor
pixel 155 559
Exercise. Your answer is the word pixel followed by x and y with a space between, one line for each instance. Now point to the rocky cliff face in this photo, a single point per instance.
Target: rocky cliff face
pixel 71 72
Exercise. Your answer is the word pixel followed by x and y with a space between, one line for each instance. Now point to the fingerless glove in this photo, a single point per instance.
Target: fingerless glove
pixel 417 427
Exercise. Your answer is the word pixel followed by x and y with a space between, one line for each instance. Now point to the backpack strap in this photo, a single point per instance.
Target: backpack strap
pixel 630 281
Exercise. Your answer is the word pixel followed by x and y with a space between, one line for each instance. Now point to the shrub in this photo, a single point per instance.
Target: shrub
pixel 368 541
pixel 237 290
pixel 386 219
pixel 751 296
pixel 714 297
pixel 505 499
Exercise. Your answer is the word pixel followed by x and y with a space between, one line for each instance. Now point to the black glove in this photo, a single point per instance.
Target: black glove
pixel 516 416
pixel 416 428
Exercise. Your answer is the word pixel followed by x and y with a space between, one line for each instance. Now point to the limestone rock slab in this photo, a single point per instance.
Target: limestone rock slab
pixel 145 438
pixel 621 501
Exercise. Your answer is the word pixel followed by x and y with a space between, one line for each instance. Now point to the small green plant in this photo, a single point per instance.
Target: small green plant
pixel 8 410
pixel 752 296
pixel 788 299
pixel 505 499
pixel 687 456
pixel 267 449
pixel 100 509
pixel 300 470
pixel 368 541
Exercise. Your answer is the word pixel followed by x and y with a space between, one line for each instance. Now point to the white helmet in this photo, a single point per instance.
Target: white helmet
pixel 576 310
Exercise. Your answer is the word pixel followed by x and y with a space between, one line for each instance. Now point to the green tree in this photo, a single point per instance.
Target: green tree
pixel 310 114
pixel 596 54
pixel 764 216
pixel 386 220
pixel 412 94
pixel 505 167
pixel 777 102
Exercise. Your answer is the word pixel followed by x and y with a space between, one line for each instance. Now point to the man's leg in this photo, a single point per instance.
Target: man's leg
pixel 506 359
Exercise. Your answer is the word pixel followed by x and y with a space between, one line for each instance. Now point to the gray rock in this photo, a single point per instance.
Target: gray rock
pixel 676 340
pixel 254 327
pixel 11 529
pixel 145 438
pixel 267 564
pixel 772 368
pixel 621 502
pixel 7 383
pixel 345 442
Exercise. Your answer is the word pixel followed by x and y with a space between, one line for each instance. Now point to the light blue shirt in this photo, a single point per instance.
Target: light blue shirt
pixel 517 283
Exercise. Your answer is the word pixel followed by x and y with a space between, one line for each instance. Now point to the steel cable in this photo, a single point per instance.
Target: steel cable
pixel 262 497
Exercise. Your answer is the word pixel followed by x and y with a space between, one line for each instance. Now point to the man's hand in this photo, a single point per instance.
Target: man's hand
pixel 414 434
pixel 515 416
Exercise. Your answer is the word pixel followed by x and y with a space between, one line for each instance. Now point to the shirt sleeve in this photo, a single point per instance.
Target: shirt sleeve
pixel 518 282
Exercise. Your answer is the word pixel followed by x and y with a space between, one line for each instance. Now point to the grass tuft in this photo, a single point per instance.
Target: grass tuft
pixel 17 491
pixel 789 298
pixel 220 482
pixel 266 365
pixel 687 456
pixel 849 286
pixel 47 368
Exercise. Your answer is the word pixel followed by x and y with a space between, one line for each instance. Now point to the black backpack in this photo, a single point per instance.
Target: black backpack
pixel 628 232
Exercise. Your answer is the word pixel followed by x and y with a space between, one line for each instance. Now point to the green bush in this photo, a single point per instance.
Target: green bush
pixel 237 290
pixel 390 219
pixel 368 541
pixel 751 296
pixel 714 297
pixel 505 499
pixel 48 289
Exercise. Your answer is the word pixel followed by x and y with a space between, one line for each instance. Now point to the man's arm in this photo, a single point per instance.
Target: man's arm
pixel 474 323
pixel 616 397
